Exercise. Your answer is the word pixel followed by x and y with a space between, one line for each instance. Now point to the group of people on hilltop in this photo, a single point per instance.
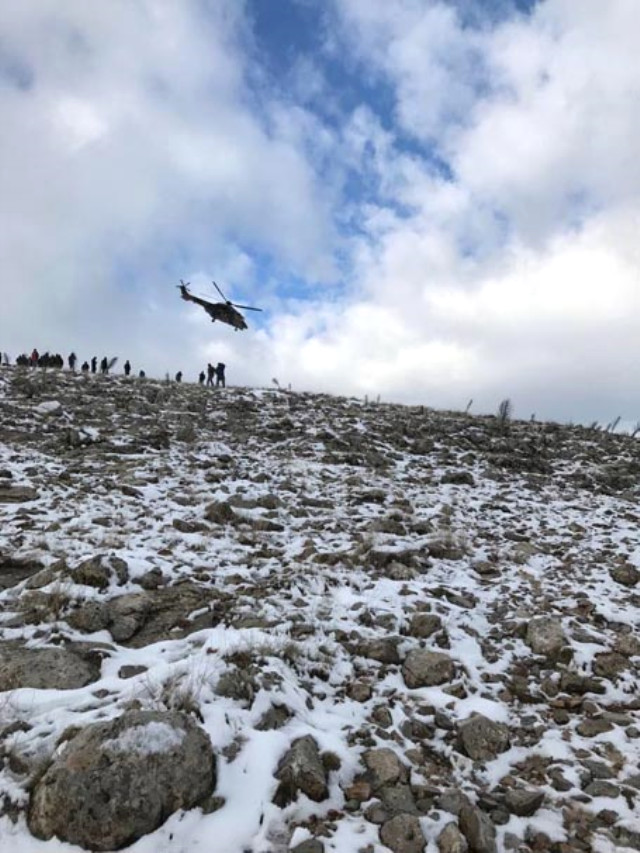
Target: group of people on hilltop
pixel 49 360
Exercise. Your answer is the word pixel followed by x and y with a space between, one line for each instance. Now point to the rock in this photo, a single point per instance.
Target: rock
pixel 89 617
pixel 452 800
pixel 127 614
pixel 625 574
pixel 451 840
pixel 423 625
pixel 45 668
pixel 383 767
pixel 17 494
pixel 99 571
pixel 427 669
pixel 458 478
pixel 601 788
pixel 398 799
pixel 236 683
pixel 274 718
pixel 309 845
pixel 403 834
pixel 384 650
pixel 301 770
pixel 609 664
pixel 152 579
pixel 131 670
pixel 117 781
pixel 592 727
pixel 220 512
pixel 523 802
pixel 478 829
pixel 481 738
pixel 545 636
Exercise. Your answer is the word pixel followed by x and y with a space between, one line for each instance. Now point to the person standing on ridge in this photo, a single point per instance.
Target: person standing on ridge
pixel 220 374
pixel 210 372
pixel 127 367
pixel 94 364
pixel 72 362
pixel 201 377
pixel 179 376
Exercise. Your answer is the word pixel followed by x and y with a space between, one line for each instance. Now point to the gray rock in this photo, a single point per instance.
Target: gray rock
pixel 601 788
pixel 478 829
pixel 117 781
pixel 310 845
pixel 423 625
pixel 625 574
pixel 451 840
pixel 220 512
pixel 301 770
pixel 452 800
pixel 523 802
pixel 89 617
pixel 127 614
pixel 427 669
pixel 384 650
pixel 545 636
pixel 593 726
pixel 100 571
pixel 17 494
pixel 481 738
pixel 383 768
pixel 398 799
pixel 45 668
pixel 403 834
pixel 152 579
pixel 609 664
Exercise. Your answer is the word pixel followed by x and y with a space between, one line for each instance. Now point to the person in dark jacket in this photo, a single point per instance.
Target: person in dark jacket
pixel 210 374
pixel 201 377
pixel 85 367
pixel 127 367
pixel 94 364
pixel 104 366
pixel 72 361
pixel 220 374
pixel 179 376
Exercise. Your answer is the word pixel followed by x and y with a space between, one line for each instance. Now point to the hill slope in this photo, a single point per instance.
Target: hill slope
pixel 443 607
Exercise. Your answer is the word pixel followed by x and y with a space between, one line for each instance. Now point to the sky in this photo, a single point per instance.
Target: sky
pixel 433 201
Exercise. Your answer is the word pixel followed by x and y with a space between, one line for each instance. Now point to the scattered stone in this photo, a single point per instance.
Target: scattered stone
pixel 592 727
pixel 220 512
pixel 427 669
pixel 451 840
pixel 481 738
pixel 301 770
pixel 10 494
pixel 478 829
pixel 625 574
pixel 545 636
pixel 403 834
pixel 152 579
pixel 117 781
pixel 523 802
pixel 609 664
pixel 91 616
pixel 384 767
pixel 423 625
pixel 458 478
pixel 384 650
pixel 309 845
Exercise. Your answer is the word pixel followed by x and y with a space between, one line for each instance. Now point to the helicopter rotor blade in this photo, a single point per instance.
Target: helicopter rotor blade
pixel 245 307
pixel 220 292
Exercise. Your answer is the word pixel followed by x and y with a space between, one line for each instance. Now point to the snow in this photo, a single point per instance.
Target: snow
pixel 149 739
pixel 291 606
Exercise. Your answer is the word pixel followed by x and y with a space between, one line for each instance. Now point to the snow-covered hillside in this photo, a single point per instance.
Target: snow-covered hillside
pixel 400 628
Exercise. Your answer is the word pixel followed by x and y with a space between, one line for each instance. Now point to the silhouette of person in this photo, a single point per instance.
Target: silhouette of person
pixel 220 374
pixel 142 374
pixel 179 376
pixel 201 377
pixel 85 367
pixel 72 361
pixel 210 374
pixel 94 364
pixel 127 368
pixel 104 366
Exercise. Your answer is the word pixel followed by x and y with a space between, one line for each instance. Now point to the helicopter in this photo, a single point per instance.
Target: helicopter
pixel 224 311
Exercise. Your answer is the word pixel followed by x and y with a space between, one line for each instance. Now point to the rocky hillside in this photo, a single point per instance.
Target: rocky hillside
pixel 251 620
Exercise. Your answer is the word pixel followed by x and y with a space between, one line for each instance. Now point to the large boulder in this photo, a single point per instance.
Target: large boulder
pixel 45 668
pixel 116 781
